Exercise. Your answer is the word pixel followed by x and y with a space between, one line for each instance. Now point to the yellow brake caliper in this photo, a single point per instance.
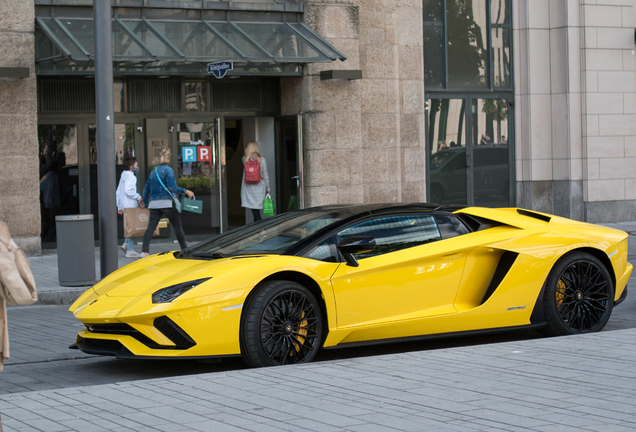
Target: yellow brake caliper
pixel 559 294
pixel 302 331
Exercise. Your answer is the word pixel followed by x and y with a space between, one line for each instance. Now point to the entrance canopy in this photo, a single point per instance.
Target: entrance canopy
pixel 162 46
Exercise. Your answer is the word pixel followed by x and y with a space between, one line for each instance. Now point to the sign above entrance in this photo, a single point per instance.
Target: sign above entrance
pixel 220 69
pixel 154 146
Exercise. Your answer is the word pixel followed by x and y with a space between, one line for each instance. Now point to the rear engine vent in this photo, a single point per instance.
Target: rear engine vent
pixel 505 263
pixel 533 215
pixel 173 332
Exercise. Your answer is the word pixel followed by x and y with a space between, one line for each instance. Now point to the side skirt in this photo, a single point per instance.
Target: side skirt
pixel 435 336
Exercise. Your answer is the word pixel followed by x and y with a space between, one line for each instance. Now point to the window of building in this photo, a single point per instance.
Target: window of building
pixel 467 44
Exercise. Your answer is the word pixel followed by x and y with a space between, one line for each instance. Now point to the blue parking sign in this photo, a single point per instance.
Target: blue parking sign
pixel 188 154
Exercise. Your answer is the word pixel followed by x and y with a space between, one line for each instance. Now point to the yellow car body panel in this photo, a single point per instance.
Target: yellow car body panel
pixel 430 289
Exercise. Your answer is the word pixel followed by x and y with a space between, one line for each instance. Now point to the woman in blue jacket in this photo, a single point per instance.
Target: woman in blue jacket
pixel 159 201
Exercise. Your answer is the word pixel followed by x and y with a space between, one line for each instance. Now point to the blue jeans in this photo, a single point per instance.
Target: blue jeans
pixel 129 244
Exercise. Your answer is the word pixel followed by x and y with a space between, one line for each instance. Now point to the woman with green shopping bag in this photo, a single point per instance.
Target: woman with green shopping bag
pixel 255 184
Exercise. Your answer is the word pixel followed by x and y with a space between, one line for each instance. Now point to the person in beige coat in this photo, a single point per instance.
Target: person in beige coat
pixel 17 286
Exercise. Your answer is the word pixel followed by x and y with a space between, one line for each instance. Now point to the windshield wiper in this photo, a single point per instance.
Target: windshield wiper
pixel 214 255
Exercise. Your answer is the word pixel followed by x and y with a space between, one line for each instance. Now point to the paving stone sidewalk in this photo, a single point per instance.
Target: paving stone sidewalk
pixel 575 383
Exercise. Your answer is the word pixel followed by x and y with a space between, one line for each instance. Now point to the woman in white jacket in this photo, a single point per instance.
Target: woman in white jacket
pixel 127 197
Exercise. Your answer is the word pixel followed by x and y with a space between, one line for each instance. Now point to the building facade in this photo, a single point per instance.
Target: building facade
pixel 526 103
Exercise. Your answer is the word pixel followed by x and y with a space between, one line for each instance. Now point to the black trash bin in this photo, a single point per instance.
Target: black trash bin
pixel 75 250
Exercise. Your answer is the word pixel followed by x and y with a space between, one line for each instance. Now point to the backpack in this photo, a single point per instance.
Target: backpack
pixel 252 171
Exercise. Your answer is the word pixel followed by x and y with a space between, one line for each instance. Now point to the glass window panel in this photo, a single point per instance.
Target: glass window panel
pixel 280 41
pixel 195 39
pixel 501 58
pixel 433 57
pixel 467 49
pixel 83 30
pixel 152 41
pixel 195 96
pixel 394 233
pixel 45 47
pixel 500 11
pixel 64 39
pixel 125 45
pixel 317 41
pixel 447 146
pixel 239 41
pixel 60 189
pixel 197 171
pixel 490 152
pixel 433 11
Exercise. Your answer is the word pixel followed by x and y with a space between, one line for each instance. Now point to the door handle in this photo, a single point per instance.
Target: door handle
pixel 467 160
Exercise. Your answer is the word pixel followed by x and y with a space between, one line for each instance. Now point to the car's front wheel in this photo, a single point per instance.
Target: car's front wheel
pixel 578 296
pixel 281 324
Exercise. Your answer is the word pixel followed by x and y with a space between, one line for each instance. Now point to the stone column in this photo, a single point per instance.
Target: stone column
pixel 609 108
pixel 575 106
pixel 364 138
pixel 19 194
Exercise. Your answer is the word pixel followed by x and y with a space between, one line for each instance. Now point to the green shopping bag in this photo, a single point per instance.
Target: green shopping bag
pixel 192 205
pixel 269 208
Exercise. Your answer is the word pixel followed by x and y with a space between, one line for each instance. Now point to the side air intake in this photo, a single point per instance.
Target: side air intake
pixel 503 267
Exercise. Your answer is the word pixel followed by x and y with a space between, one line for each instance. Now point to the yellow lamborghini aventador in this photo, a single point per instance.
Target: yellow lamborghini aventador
pixel 278 290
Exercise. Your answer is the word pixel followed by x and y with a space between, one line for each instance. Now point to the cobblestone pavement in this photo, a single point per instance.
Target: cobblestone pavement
pixel 575 383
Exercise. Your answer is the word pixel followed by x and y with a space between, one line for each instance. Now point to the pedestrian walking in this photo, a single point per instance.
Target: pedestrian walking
pixel 255 184
pixel 17 286
pixel 160 197
pixel 128 197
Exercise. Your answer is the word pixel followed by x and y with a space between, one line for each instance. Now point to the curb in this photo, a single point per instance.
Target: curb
pixel 60 297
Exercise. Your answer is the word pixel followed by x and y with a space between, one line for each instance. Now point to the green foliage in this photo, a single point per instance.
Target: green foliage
pixel 198 185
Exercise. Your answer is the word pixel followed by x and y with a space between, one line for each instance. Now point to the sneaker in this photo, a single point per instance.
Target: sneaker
pixel 131 254
pixel 124 247
pixel 143 255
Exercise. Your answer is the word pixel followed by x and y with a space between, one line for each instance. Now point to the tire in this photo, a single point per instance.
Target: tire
pixel 578 296
pixel 281 324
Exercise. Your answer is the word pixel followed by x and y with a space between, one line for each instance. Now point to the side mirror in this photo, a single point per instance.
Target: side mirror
pixel 354 245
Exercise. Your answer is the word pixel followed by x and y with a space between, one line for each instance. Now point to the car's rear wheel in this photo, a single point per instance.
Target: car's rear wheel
pixel 281 324
pixel 578 296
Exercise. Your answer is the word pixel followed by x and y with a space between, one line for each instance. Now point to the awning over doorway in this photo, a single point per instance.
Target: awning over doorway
pixel 149 41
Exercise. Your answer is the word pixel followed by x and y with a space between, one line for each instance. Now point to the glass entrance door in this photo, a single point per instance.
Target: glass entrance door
pixel 124 148
pixel 289 163
pixel 200 169
pixel 468 152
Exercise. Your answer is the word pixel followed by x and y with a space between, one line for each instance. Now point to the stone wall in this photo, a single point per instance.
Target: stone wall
pixel 19 194
pixel 575 103
pixel 363 139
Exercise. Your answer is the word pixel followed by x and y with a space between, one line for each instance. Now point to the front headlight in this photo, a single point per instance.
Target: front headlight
pixel 166 295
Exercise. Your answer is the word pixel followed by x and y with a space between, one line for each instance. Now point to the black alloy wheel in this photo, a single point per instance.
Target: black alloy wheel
pixel 579 295
pixel 282 324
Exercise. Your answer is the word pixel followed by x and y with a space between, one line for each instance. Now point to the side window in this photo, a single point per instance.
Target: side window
pixel 326 251
pixel 394 233
pixel 450 226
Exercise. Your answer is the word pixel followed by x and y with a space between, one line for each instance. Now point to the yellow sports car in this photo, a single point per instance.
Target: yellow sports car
pixel 278 290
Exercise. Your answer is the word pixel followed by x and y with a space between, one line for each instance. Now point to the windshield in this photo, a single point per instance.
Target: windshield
pixel 439 158
pixel 273 235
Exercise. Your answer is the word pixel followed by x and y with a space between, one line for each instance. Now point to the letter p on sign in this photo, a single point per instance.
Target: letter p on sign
pixel 204 154
pixel 188 154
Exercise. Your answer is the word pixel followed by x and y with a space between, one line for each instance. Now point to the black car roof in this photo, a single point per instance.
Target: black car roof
pixel 379 208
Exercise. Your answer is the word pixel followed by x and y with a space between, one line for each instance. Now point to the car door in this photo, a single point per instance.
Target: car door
pixel 410 274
